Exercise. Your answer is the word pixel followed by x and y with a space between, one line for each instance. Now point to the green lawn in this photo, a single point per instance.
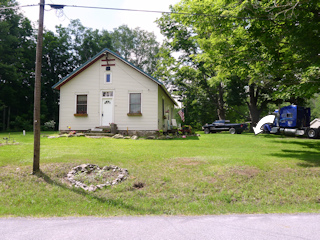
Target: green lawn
pixel 210 174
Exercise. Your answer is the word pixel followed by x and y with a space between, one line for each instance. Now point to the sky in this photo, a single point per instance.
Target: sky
pixel 101 19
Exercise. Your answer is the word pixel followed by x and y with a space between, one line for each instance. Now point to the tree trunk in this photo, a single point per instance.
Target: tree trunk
pixel 252 105
pixel 4 119
pixel 8 124
pixel 221 110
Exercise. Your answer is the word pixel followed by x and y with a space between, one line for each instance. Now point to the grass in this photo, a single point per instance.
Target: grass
pixel 211 174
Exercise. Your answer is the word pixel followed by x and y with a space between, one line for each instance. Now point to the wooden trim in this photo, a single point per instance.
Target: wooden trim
pixel 107 60
pixel 107 65
pixel 134 114
pixel 80 114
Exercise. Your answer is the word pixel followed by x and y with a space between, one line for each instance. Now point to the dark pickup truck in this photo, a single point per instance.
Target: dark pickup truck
pixel 224 125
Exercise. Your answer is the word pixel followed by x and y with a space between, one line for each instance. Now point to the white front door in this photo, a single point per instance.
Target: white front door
pixel 107 111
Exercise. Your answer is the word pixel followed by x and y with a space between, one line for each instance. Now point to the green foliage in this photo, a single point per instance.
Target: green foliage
pixel 188 77
pixel 137 46
pixel 272 49
pixel 314 105
pixel 17 51
pixel 21 122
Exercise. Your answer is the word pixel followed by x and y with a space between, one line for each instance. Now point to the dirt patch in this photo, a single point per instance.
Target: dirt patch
pixel 138 185
pixel 245 171
pixel 212 180
pixel 15 143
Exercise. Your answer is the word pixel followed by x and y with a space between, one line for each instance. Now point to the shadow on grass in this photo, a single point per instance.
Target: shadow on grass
pixel 311 155
pixel 312 158
pixel 274 136
pixel 111 202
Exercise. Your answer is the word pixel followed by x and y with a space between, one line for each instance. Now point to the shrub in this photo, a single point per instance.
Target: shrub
pixel 49 125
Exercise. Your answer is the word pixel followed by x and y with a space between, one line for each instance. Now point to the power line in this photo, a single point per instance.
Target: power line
pixel 60 7
pixel 155 11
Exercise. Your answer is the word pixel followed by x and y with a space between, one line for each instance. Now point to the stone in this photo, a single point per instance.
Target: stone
pixel 50 137
pixel 121 176
pixel 100 186
pixel 72 180
pixel 87 168
pixel 118 136
pixel 79 135
pixel 70 175
pixel 92 188
pixel 151 137
pixel 125 171
pixel 134 137
pixel 96 130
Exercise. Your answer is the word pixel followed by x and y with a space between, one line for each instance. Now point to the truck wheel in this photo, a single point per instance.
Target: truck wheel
pixel 206 130
pixel 312 133
pixel 232 130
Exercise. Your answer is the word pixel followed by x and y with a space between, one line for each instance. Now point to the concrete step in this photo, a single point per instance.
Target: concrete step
pixel 100 134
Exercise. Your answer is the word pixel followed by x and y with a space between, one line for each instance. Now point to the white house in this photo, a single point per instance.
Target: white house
pixel 109 89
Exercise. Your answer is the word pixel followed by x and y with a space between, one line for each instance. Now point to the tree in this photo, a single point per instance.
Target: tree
pixel 314 104
pixel 58 61
pixel 86 42
pixel 185 74
pixel 251 40
pixel 17 50
pixel 137 46
pixel 208 87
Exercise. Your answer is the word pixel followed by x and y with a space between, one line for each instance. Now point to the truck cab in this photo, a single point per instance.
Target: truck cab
pixel 292 120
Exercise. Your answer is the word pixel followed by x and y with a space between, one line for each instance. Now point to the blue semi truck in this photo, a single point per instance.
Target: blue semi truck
pixel 290 120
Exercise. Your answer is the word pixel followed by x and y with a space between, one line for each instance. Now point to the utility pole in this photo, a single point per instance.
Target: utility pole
pixel 37 93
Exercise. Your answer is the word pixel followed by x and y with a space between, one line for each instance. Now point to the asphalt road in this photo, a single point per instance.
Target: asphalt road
pixel 246 227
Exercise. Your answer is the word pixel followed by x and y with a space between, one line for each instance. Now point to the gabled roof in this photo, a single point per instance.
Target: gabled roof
pixel 98 57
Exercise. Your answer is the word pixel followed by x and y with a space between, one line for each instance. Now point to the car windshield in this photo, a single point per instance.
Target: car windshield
pixel 219 121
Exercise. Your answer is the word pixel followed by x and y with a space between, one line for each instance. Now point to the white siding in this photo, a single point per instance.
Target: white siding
pixel 168 106
pixel 86 82
pixel 125 80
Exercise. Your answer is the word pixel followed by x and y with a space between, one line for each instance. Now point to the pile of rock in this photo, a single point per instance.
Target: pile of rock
pixel 120 136
pixel 89 168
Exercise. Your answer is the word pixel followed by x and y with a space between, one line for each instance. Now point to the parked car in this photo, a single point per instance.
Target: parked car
pixel 224 125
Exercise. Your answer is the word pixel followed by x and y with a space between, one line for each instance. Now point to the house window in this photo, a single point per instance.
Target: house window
pixel 107 94
pixel 135 103
pixel 81 104
pixel 108 78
